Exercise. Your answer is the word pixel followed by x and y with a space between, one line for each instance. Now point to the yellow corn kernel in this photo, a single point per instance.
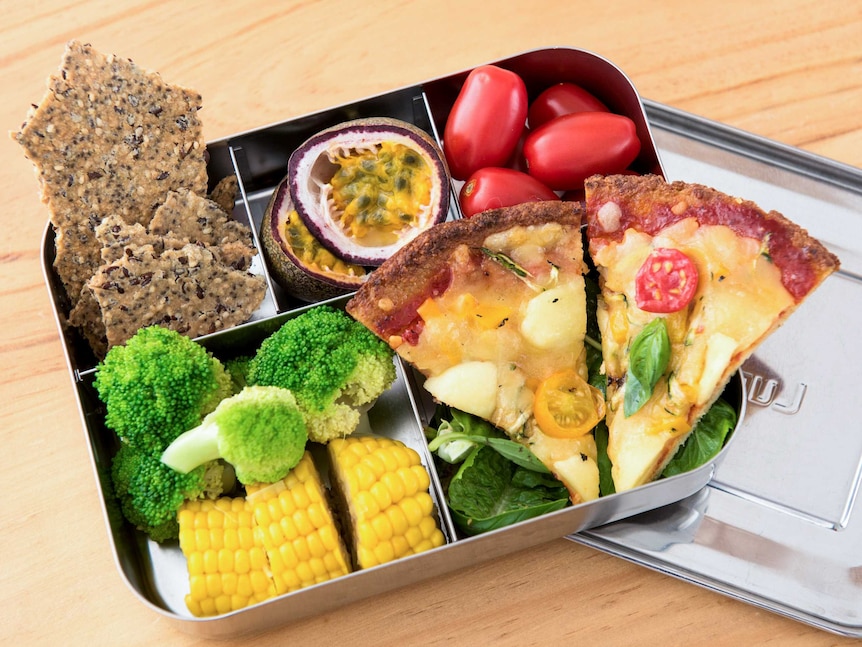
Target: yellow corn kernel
pixel 297 529
pixel 400 545
pixel 386 492
pixel 221 564
pixel 317 514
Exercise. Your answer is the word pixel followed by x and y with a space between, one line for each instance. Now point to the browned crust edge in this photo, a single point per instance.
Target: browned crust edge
pixel 649 204
pixel 412 269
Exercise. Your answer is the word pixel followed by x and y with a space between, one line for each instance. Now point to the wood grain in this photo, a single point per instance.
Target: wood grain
pixel 788 70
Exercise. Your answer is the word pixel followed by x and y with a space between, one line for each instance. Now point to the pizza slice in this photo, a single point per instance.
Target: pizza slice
pixel 492 311
pixel 692 280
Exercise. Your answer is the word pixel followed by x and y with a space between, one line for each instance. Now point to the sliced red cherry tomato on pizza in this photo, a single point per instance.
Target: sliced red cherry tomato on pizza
pixel 486 121
pixel 565 151
pixel 562 99
pixel 666 282
pixel 566 406
pixel 492 188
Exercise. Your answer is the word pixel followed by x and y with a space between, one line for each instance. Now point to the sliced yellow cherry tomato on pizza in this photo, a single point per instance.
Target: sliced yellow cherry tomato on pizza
pixel 566 406
pixel 666 282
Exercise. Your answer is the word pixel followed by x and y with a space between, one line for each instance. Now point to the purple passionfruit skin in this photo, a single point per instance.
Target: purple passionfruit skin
pixel 296 277
pixel 309 171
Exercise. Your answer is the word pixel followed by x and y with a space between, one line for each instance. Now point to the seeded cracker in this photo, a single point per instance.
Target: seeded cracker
pixel 229 241
pixel 186 289
pixel 109 138
pixel 224 193
pixel 114 234
pixel 86 316
pixel 189 217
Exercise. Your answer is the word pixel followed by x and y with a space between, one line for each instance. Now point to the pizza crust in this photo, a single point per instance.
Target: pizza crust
pixel 649 204
pixel 413 270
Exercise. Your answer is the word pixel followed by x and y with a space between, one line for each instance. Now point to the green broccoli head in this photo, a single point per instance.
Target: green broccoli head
pixel 260 431
pixel 158 385
pixel 150 493
pixel 333 365
pixel 237 368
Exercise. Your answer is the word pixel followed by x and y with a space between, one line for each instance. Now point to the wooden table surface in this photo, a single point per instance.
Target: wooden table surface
pixel 788 70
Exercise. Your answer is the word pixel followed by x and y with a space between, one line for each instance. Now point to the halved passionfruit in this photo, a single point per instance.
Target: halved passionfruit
pixel 298 262
pixel 367 187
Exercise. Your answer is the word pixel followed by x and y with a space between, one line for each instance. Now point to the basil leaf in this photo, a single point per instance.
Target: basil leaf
pixel 507 263
pixel 649 354
pixel 705 441
pixel 491 492
pixel 606 479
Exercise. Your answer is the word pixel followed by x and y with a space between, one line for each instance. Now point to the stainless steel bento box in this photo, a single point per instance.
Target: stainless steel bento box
pixel 157 573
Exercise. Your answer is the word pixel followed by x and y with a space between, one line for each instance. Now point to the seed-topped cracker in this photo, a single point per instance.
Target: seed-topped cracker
pixel 183 220
pixel 115 234
pixel 86 316
pixel 224 193
pixel 186 289
pixel 109 138
pixel 189 217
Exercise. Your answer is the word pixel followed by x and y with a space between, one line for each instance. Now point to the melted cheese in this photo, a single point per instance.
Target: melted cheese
pixel 739 298
pixel 572 460
pixel 493 336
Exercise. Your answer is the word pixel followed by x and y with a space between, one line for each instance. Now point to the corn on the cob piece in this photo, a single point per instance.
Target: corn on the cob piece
pixel 296 527
pixel 384 486
pixel 227 567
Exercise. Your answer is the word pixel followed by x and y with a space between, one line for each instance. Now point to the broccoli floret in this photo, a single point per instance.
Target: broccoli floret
pixel 260 431
pixel 237 368
pixel 333 364
pixel 150 493
pixel 158 385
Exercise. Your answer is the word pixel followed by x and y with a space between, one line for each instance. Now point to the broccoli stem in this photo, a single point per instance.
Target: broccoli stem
pixel 192 448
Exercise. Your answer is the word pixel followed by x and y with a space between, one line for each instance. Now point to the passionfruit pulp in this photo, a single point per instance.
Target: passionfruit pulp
pixel 298 262
pixel 367 187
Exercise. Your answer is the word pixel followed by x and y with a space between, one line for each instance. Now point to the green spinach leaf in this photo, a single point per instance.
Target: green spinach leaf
pixel 490 492
pixel 648 358
pixel 509 449
pixel 705 441
pixel 606 479
pixel 593 339
pixel 465 431
pixel 451 437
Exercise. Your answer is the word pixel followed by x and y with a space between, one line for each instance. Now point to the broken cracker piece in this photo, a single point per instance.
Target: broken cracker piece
pixel 187 216
pixel 224 193
pixel 86 316
pixel 187 290
pixel 115 235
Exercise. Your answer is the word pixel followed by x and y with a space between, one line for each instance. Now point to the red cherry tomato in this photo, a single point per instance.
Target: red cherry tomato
pixel 575 195
pixel 565 151
pixel 562 99
pixel 492 188
pixel 666 282
pixel 517 161
pixel 485 122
